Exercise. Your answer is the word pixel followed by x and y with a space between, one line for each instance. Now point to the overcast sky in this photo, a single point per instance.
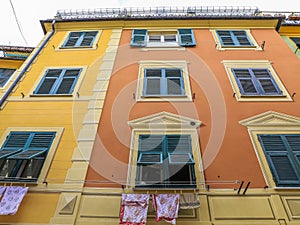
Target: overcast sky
pixel 30 12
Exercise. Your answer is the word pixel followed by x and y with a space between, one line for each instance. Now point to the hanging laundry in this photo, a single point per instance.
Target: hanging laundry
pixel 189 201
pixel 11 200
pixel 2 189
pixel 134 208
pixel 166 207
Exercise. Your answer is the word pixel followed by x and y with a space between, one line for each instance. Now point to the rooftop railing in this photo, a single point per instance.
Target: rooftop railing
pixel 156 12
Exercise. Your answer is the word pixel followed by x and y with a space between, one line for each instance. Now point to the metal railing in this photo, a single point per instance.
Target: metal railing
pixel 156 12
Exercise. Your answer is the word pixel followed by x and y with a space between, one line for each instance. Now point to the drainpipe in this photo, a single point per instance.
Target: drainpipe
pixel 5 96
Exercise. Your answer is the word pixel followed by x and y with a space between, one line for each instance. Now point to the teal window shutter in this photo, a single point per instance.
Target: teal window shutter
pixel 282 152
pixel 5 74
pixel 80 39
pixel 138 38
pixel 256 82
pixel 234 38
pixel 296 40
pixel 23 154
pixel 165 161
pixel 186 37
pixel 58 81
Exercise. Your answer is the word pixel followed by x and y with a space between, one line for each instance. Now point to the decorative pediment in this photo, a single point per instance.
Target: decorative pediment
pixel 271 118
pixel 164 120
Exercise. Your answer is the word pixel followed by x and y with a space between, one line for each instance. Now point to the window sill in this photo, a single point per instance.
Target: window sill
pixel 51 95
pixel 162 48
pixel 173 98
pixel 223 48
pixel 73 48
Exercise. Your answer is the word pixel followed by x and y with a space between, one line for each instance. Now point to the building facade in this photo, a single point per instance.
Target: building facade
pixel 192 102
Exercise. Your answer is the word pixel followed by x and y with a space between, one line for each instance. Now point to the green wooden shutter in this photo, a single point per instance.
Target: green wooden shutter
pixel 186 37
pixel 245 81
pixel 241 38
pixel 296 40
pixel 138 38
pixel 225 38
pixel 281 153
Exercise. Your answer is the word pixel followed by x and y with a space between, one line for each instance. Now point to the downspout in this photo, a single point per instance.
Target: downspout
pixel 7 93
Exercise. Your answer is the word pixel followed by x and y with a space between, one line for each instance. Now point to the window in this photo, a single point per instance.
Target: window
pixel 145 38
pixel 282 152
pixel 163 82
pixel 234 39
pixel 296 40
pixel 80 39
pixel 255 80
pixel 58 81
pixel 5 74
pixel 165 161
pixel 23 154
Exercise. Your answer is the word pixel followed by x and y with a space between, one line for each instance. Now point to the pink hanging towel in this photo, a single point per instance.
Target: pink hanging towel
pixel 11 200
pixel 134 209
pixel 166 207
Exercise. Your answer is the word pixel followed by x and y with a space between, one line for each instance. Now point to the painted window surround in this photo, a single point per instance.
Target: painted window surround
pixel 260 64
pixel 219 46
pixel 151 64
pixel 270 123
pixel 63 96
pixel 164 123
pixel 51 152
pixel 93 47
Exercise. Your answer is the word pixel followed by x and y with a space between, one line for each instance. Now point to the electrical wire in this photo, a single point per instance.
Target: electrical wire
pixel 18 23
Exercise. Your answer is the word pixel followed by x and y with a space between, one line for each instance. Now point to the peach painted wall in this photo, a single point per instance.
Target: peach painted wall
pixel 226 147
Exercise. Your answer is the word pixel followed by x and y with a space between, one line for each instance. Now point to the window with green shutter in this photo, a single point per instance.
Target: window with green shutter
pixel 296 40
pixel 163 82
pixel 5 74
pixel 23 154
pixel 232 38
pixel 58 81
pixel 165 161
pixel 255 81
pixel 145 38
pixel 282 152
pixel 80 39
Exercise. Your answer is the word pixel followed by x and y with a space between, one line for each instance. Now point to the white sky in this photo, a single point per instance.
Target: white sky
pixel 30 12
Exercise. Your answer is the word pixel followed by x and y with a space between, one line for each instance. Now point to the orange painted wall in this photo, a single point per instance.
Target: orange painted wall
pixel 214 105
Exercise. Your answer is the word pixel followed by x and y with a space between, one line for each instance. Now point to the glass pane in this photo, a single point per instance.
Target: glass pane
pixel 138 39
pixel 268 86
pixel 65 86
pixel 248 86
pixel 150 174
pixel 33 168
pixel 170 38
pixel 153 87
pixel 7 168
pixel 153 72
pixel 154 38
pixel 174 86
pixel 173 73
pixel 180 158
pixel 180 174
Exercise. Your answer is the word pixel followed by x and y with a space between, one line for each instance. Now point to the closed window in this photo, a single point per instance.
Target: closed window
pixel 163 82
pixel 165 161
pixel 80 39
pixel 58 81
pixel 23 154
pixel 296 40
pixel 234 38
pixel 145 38
pixel 5 74
pixel 282 152
pixel 255 81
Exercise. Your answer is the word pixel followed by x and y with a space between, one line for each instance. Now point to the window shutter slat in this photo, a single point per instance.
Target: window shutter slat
pixel 138 38
pixel 65 86
pixel 234 38
pixel 151 143
pixel 16 140
pixel 283 168
pixel 42 140
pixel 186 37
pixel 28 154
